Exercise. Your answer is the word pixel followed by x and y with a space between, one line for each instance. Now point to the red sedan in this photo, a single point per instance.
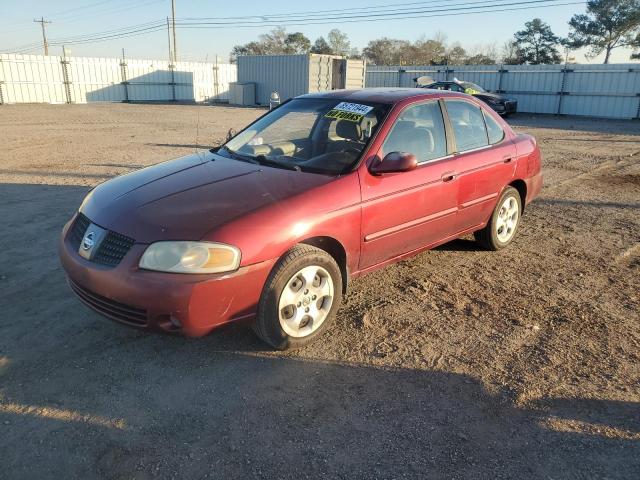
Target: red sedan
pixel 271 226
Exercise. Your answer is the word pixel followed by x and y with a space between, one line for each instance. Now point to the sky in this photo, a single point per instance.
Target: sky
pixel 79 17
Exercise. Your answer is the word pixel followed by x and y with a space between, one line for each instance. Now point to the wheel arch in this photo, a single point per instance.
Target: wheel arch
pixel 521 187
pixel 334 248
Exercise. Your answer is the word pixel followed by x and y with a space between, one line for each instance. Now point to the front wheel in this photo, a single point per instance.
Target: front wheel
pixel 299 299
pixel 502 226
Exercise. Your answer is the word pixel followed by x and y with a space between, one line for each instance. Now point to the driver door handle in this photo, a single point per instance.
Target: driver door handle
pixel 448 176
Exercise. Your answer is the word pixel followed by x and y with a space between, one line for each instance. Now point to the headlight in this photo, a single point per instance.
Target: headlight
pixel 190 257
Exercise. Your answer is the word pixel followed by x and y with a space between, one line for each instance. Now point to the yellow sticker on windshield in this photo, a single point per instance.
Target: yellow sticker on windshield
pixel 340 115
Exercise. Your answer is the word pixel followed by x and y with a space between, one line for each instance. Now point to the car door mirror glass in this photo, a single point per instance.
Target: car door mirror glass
pixel 395 162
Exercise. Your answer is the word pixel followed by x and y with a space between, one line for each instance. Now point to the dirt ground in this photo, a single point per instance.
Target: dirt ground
pixel 458 363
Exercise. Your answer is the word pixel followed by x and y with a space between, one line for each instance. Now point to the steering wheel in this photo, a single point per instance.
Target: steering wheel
pixel 354 150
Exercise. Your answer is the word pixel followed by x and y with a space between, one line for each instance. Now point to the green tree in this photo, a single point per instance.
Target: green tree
pixel 480 59
pixel 636 55
pixel 383 51
pixel 276 42
pixel 510 54
pixel 456 55
pixel 537 44
pixel 297 43
pixel 424 52
pixel 607 25
pixel 321 46
pixel 251 48
pixel 339 42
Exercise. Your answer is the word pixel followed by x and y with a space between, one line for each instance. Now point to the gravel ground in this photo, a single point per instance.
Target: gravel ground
pixel 458 363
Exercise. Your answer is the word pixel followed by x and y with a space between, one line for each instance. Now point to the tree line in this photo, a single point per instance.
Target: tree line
pixel 606 25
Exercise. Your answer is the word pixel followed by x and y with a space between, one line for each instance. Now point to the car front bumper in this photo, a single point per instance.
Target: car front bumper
pixel 505 108
pixel 176 303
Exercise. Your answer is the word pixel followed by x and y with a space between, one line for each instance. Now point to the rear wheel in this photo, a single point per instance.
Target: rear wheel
pixel 503 224
pixel 299 299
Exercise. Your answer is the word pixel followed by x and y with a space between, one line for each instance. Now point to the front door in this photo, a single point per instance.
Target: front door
pixel 403 212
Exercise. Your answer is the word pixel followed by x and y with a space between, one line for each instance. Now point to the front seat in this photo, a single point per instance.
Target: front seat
pixel 350 135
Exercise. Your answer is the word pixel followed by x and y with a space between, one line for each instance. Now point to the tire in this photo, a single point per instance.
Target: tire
pixel 297 317
pixel 503 224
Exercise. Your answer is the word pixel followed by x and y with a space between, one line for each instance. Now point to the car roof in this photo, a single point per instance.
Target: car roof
pixel 379 95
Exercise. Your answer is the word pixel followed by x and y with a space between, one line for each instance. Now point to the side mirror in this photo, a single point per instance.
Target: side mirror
pixel 230 134
pixel 394 162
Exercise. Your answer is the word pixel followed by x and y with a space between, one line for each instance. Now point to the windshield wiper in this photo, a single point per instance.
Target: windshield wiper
pixel 241 157
pixel 263 159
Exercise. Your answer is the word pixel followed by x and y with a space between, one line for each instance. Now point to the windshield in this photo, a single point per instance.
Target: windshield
pixel 318 135
pixel 472 86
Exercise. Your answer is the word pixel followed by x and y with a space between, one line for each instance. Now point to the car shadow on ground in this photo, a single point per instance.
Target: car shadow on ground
pixel 83 397
pixel 460 245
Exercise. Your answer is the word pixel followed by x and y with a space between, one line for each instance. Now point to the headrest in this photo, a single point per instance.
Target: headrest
pixel 348 130
pixel 404 126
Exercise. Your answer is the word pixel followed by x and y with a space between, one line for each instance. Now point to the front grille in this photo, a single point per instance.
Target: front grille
pixel 78 229
pixel 112 249
pixel 110 308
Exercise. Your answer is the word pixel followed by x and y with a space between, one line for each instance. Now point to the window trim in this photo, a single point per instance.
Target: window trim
pixel 459 152
pixel 445 122
pixel 485 114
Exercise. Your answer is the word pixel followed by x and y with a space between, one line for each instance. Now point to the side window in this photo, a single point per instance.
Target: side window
pixel 468 126
pixel 496 134
pixel 419 130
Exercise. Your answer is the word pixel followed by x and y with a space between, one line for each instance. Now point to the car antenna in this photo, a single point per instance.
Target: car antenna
pixel 197 145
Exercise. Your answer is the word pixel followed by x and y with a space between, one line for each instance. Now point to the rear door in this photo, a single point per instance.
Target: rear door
pixel 402 212
pixel 486 160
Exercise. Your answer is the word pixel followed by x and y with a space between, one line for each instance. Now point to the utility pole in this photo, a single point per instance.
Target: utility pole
pixel 169 42
pixel 42 22
pixel 173 22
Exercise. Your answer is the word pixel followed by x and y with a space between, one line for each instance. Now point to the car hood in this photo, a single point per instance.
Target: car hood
pixel 183 199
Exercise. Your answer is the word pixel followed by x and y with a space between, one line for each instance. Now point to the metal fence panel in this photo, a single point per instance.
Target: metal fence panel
pixel 52 79
pixel 149 80
pixel 611 91
pixel 95 80
pixel 31 79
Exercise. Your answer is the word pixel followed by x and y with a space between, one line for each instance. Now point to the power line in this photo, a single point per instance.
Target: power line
pixel 122 30
pixel 314 13
pixel 368 17
pixel 72 16
pixel 458 7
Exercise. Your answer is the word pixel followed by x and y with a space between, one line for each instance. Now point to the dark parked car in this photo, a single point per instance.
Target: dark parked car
pixel 271 226
pixel 501 104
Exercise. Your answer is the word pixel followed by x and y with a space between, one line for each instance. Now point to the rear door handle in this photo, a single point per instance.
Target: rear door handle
pixel 507 159
pixel 447 177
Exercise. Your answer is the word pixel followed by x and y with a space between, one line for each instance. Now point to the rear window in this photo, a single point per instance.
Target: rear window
pixel 494 130
pixel 468 125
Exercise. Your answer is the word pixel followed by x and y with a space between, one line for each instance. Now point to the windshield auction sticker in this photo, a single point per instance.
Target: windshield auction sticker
pixel 353 112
